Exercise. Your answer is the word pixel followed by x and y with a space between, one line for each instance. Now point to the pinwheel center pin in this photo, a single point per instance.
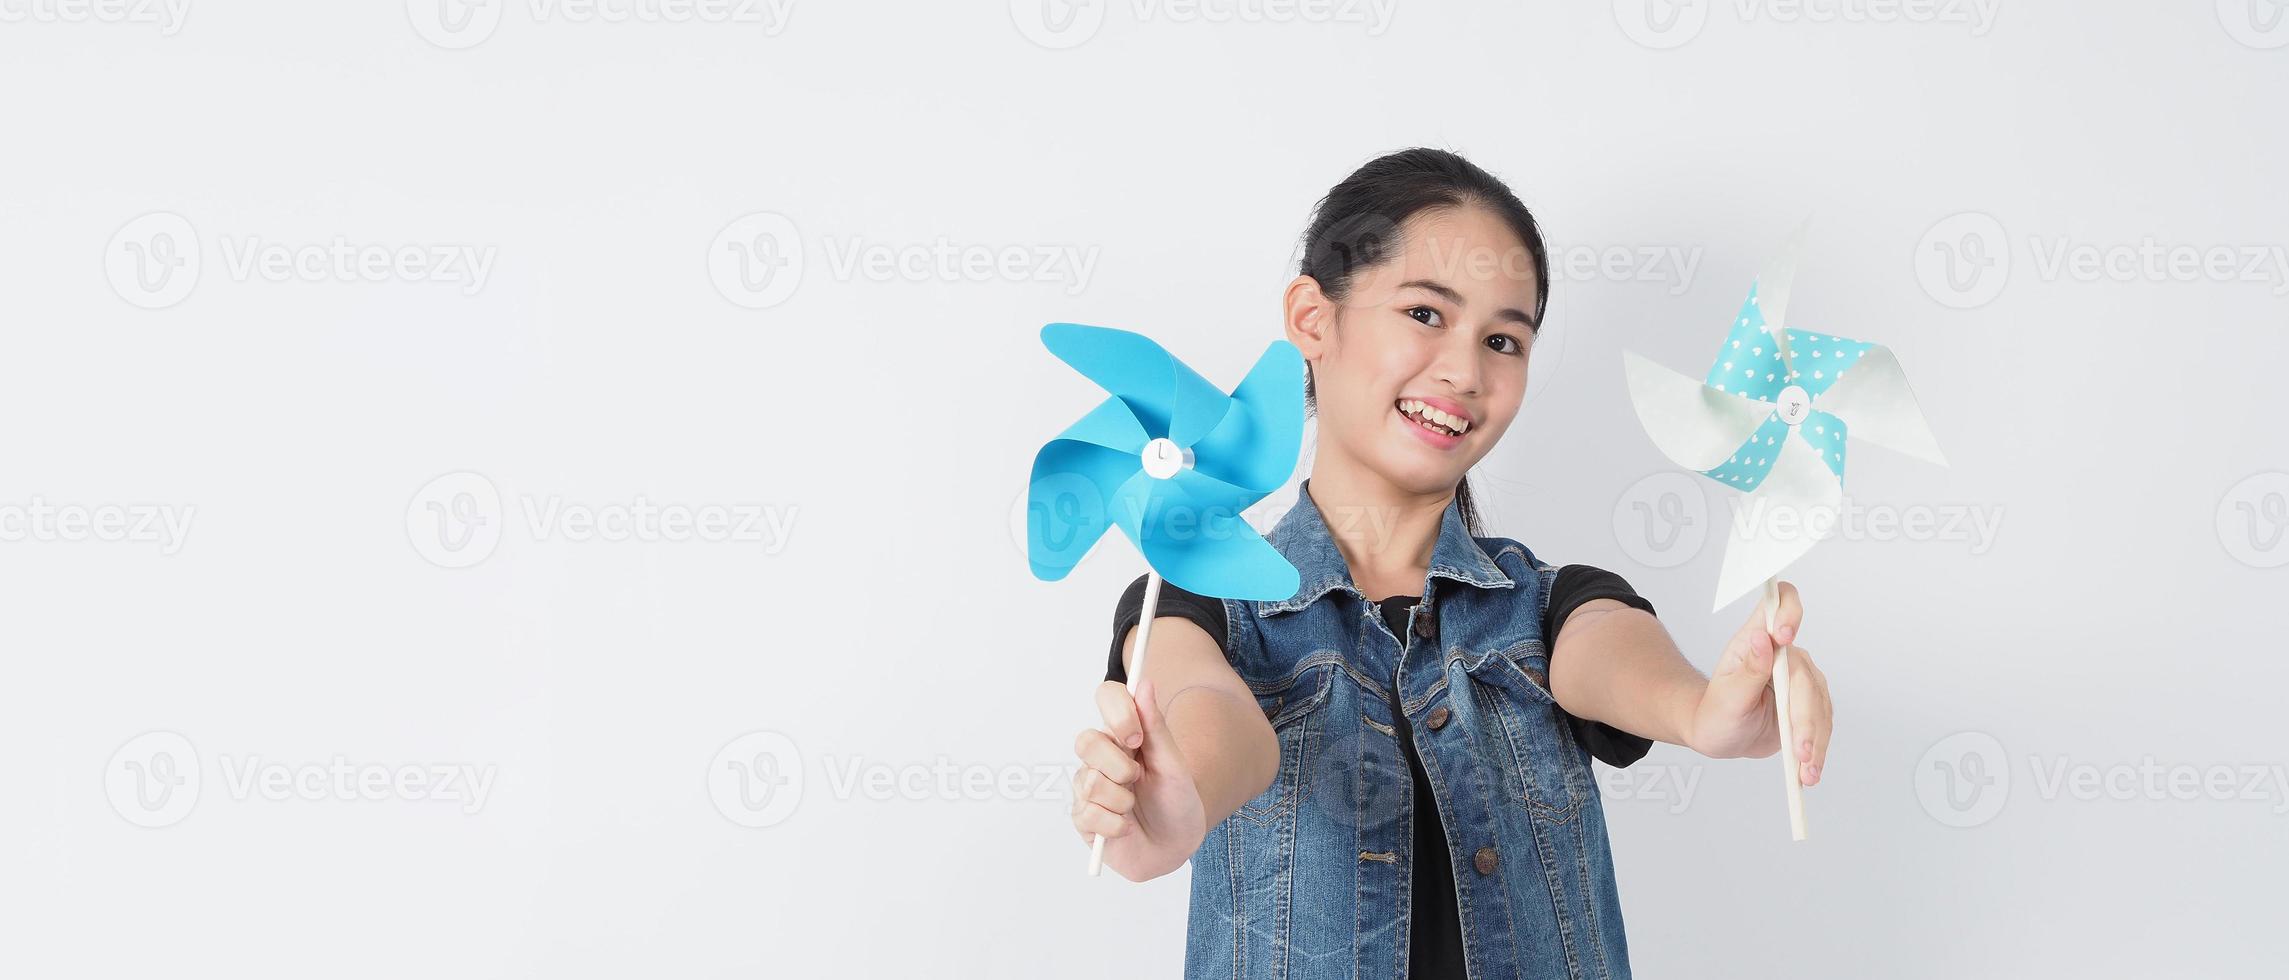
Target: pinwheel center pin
pixel 1162 459
pixel 1795 404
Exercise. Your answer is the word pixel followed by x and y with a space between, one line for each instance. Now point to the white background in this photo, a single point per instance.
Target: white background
pixel 2128 608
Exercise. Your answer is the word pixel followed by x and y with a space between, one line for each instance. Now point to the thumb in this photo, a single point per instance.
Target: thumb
pixel 1159 750
pixel 1745 673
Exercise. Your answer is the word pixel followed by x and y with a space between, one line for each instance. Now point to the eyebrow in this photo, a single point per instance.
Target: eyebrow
pixel 1445 293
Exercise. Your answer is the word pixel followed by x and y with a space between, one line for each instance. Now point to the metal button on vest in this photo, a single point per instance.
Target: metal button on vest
pixel 1484 860
pixel 1438 718
pixel 1426 623
pixel 1539 678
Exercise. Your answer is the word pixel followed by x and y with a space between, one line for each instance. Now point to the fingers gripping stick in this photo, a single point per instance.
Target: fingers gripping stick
pixel 1136 673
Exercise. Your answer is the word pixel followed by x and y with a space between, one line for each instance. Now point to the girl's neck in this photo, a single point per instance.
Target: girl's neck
pixel 1385 534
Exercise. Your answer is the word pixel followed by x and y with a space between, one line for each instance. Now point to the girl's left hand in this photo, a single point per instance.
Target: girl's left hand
pixel 1736 716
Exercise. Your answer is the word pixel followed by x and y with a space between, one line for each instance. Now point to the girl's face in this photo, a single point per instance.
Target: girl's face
pixel 1420 369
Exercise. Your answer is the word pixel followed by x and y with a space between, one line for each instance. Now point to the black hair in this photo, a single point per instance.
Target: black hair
pixel 1357 225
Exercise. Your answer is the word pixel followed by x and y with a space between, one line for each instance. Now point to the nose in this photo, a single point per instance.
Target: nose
pixel 1457 362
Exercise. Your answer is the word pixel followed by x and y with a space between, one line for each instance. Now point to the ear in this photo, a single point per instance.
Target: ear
pixel 1308 317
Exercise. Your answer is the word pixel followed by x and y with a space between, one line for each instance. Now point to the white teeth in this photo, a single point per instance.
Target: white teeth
pixel 1434 416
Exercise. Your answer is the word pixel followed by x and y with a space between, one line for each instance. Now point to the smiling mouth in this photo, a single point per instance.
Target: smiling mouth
pixel 1432 419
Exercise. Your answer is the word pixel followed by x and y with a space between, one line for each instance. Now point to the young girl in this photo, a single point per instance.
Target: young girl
pixel 1388 774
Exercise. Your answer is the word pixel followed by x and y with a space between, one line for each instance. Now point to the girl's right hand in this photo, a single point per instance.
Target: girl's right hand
pixel 1133 787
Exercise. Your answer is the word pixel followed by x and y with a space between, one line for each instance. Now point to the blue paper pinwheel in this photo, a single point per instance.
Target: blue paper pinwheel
pixel 1172 461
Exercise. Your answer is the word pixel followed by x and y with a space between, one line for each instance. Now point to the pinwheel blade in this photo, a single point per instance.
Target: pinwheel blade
pixel 1774 284
pixel 1695 425
pixel 1068 502
pixel 1111 425
pixel 1190 531
pixel 1255 446
pixel 1875 400
pixel 1798 504
pixel 1169 399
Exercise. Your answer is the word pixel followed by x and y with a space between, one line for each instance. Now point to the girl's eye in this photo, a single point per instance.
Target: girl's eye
pixel 1503 343
pixel 1424 315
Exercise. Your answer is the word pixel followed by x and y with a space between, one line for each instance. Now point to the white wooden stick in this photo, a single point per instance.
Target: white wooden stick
pixel 1789 764
pixel 1136 671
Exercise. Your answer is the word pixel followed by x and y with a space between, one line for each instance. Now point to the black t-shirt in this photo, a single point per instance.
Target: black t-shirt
pixel 1435 930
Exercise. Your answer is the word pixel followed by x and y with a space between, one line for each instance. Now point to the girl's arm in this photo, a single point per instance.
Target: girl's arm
pixel 1222 732
pixel 1616 664
pixel 1177 759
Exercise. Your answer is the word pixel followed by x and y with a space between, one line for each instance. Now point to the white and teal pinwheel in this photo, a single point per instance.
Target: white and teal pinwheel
pixel 1171 460
pixel 1771 419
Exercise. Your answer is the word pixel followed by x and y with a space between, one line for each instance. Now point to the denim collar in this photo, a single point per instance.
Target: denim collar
pixel 1302 536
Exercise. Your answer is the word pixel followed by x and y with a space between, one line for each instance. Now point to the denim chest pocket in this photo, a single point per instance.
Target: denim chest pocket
pixel 1511 689
pixel 1294 709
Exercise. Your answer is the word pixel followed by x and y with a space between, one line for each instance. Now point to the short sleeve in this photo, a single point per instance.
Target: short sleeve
pixel 1575 586
pixel 1203 611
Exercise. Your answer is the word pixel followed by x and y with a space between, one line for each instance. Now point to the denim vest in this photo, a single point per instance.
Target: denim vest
pixel 1311 878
